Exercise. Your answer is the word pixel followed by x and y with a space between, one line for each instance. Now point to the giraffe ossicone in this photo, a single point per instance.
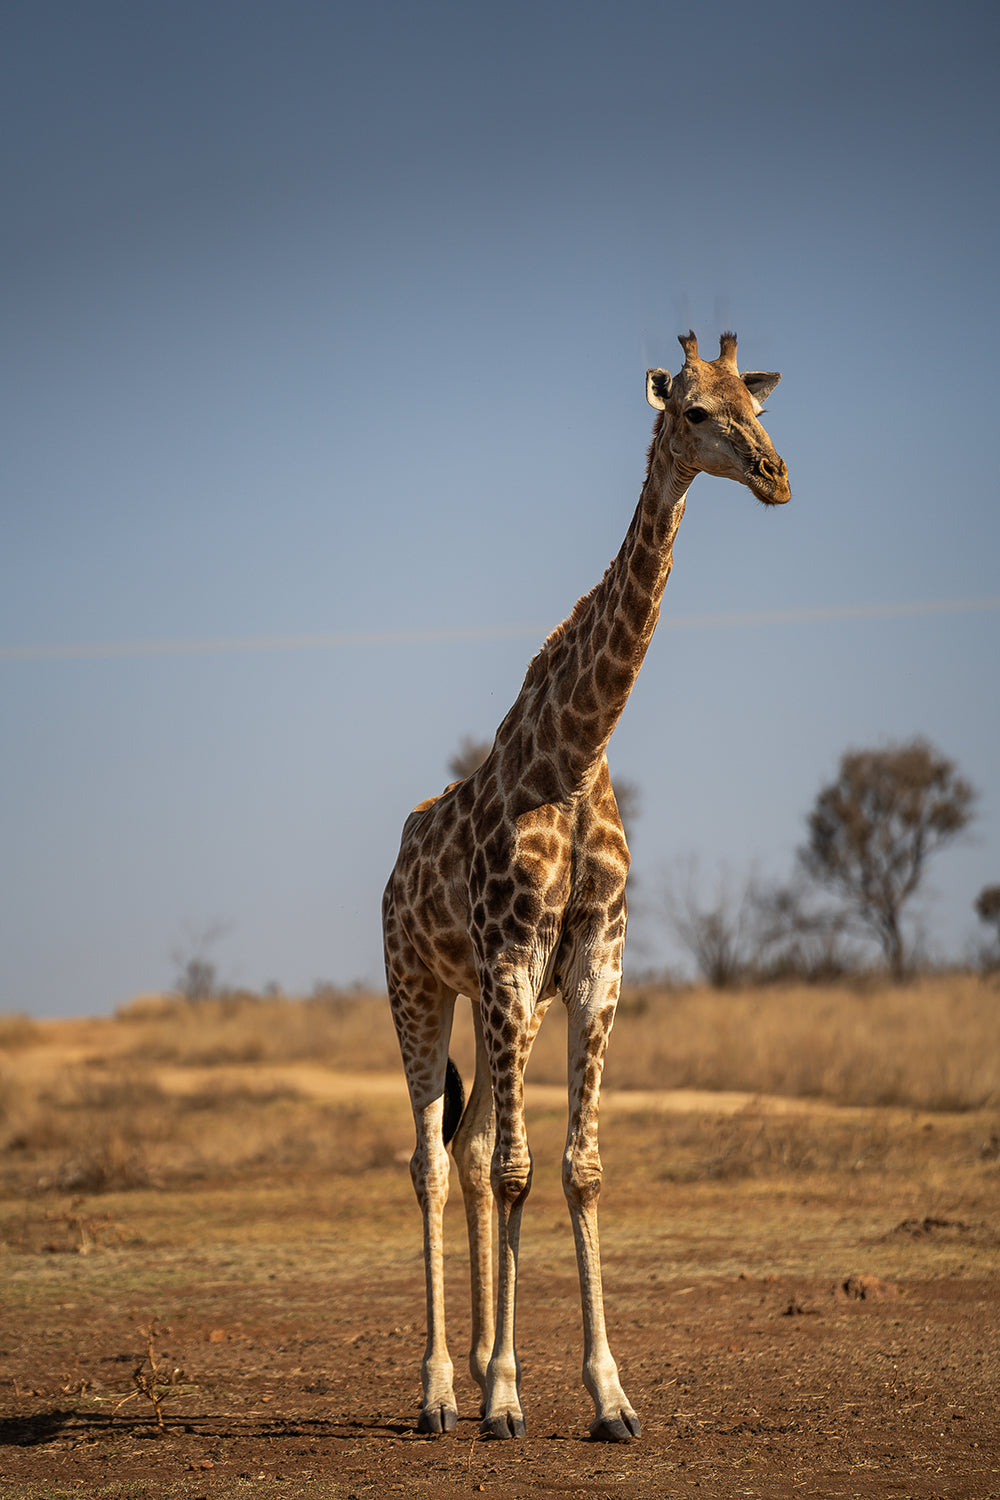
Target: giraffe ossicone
pixel 509 888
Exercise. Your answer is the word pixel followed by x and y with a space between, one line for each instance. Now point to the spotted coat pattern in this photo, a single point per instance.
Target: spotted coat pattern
pixel 509 889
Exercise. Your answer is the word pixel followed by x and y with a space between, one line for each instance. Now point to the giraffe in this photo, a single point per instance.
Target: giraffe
pixel 509 888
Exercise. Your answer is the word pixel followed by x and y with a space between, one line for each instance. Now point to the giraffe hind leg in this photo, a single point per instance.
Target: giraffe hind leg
pixel 422 1010
pixel 472 1149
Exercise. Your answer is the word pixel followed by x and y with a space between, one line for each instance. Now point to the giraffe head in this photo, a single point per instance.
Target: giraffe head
pixel 710 421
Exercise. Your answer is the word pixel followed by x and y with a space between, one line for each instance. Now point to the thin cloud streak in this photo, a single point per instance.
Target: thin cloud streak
pixel 97 650
pixel 346 640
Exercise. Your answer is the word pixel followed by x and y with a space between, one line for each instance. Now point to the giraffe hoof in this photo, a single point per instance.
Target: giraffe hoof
pixel 506 1424
pixel 437 1419
pixel 623 1429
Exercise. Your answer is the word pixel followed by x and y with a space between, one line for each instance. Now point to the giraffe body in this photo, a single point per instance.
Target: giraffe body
pixel 509 888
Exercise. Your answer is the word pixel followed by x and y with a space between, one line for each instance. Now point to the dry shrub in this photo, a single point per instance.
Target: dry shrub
pixel 232 1096
pixel 150 1378
pixel 19 1031
pixel 237 1027
pixel 84 1130
pixel 97 1132
pixel 360 1140
pixel 298 1133
pixel 750 1145
pixel 76 1229
pixel 113 1164
pixel 37 1119
pixel 110 1128
pixel 13 1095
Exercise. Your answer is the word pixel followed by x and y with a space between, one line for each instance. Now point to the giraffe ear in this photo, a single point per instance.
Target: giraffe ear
pixel 658 384
pixel 760 383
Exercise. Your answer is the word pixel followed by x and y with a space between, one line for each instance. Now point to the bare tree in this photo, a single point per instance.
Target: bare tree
pixel 196 975
pixel 873 830
pixel 629 801
pixel 717 933
pixel 799 936
pixel 469 756
pixel 987 906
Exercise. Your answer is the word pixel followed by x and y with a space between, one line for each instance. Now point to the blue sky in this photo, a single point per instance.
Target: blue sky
pixel 325 332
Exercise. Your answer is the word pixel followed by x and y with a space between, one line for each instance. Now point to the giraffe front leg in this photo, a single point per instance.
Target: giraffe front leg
pixel 506 1019
pixel 503 1415
pixel 472 1149
pixel 590 1020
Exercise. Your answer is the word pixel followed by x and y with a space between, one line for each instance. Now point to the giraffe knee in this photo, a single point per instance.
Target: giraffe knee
pixel 429 1175
pixel 581 1181
pixel 511 1181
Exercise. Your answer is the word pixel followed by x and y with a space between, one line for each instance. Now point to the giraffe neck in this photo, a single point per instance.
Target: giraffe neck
pixel 576 687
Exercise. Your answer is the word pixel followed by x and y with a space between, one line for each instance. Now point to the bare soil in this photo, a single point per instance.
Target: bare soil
pixel 802 1301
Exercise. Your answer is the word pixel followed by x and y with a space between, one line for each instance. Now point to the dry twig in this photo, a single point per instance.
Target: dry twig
pixel 147 1377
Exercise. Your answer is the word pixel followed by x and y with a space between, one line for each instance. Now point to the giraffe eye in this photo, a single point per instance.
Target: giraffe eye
pixel 696 414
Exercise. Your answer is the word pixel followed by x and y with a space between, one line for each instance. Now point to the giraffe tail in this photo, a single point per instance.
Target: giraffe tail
pixel 454 1101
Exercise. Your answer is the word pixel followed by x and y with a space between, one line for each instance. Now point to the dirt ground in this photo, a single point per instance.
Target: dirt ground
pixel 801 1301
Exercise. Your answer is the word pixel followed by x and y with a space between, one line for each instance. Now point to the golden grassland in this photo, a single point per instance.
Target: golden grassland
pixel 171 1090
pixel 211 1249
pixel 931 1044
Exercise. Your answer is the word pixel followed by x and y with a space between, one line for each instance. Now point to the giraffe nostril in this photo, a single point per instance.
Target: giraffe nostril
pixel 769 479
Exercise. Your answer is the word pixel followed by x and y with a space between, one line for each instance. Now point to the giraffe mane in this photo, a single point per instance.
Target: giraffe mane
pixel 654 440
pixel 539 665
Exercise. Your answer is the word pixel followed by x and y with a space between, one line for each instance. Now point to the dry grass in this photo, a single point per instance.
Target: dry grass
pixel 933 1044
pixel 930 1044
pixel 17 1032
pixel 108 1126
pixel 344 1030
pixel 90 1108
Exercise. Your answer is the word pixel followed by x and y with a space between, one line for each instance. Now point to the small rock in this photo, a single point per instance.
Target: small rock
pixel 865 1289
pixel 797 1309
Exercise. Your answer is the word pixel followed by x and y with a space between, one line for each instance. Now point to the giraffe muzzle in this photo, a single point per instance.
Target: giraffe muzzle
pixel 768 478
